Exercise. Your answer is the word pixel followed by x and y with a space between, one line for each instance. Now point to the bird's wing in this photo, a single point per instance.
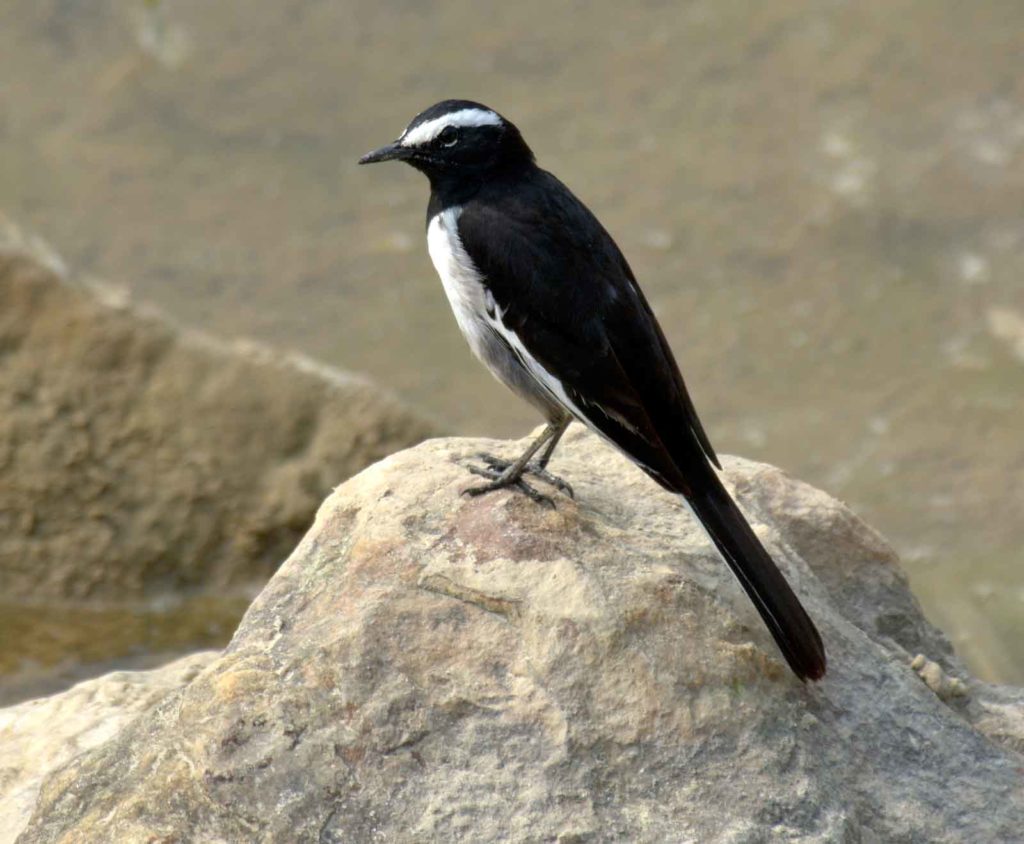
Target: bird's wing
pixel 567 303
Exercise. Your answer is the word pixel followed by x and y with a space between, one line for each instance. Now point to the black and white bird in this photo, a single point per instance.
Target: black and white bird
pixel 549 305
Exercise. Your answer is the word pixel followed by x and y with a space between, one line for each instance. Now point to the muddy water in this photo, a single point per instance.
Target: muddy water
pixel 824 201
pixel 60 645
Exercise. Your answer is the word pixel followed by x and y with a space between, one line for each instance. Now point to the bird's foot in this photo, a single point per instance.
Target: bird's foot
pixel 497 464
pixel 501 476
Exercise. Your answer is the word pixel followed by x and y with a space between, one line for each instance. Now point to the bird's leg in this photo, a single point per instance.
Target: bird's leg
pixel 539 469
pixel 506 473
pixel 549 449
pixel 503 473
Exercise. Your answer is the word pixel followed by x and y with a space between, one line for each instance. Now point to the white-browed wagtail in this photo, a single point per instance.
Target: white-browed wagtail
pixel 550 306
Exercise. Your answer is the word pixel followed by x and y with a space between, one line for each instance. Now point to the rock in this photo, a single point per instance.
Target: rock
pixel 137 458
pixel 432 667
pixel 937 679
pixel 40 735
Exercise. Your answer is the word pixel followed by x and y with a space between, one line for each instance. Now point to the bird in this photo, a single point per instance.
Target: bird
pixel 548 303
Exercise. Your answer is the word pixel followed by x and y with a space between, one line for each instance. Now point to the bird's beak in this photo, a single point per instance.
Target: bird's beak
pixel 389 153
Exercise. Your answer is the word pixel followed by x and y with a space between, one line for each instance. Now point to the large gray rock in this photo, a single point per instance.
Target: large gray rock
pixel 431 667
pixel 40 735
pixel 137 458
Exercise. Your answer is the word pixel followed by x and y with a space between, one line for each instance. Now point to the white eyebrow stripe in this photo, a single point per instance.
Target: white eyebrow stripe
pixel 426 132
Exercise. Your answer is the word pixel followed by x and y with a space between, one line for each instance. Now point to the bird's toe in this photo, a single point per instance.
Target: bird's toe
pixel 555 481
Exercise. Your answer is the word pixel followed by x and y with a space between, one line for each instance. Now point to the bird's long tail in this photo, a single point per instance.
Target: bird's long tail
pixel 790 626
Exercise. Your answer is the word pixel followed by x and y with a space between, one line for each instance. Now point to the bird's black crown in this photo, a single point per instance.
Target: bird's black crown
pixel 457 140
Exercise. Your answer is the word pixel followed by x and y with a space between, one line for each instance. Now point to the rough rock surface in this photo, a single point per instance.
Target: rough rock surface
pixel 40 735
pixel 431 667
pixel 136 457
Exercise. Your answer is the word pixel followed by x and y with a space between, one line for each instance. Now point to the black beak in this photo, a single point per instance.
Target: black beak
pixel 391 152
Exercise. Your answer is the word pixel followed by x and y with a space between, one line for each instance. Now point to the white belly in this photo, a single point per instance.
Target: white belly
pixel 480 319
pixel 462 283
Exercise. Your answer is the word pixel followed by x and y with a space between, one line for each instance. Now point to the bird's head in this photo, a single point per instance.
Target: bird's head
pixel 456 139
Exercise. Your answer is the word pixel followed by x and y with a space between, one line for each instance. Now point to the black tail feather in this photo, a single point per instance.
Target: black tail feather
pixel 785 617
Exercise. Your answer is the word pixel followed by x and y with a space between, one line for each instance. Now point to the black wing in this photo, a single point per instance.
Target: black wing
pixel 567 293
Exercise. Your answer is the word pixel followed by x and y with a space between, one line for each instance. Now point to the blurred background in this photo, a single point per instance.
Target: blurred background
pixel 824 202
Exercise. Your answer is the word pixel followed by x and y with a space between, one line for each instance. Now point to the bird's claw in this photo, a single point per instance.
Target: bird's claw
pixel 497 483
pixel 500 465
pixel 497 471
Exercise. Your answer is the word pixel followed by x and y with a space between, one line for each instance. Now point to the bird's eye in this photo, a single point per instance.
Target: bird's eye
pixel 448 137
